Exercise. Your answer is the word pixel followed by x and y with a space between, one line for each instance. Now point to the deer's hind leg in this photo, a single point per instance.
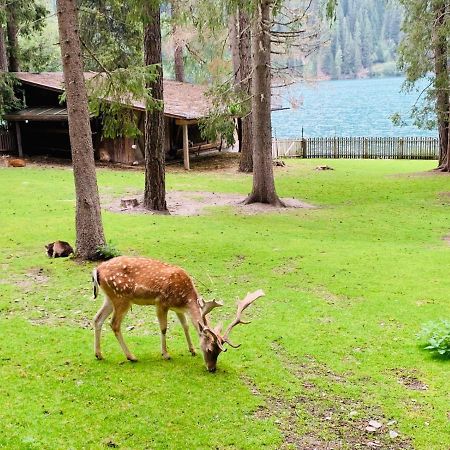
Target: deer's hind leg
pixel 99 318
pixel 120 311
pixel 161 313
pixel 182 318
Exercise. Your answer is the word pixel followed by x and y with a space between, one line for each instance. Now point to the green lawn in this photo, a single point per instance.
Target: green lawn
pixel 331 346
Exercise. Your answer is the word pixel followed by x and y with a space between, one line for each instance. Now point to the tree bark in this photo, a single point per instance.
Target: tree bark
pixel 89 228
pixel 155 185
pixel 13 43
pixel 263 180
pixel 3 50
pixel 442 84
pixel 245 76
pixel 178 45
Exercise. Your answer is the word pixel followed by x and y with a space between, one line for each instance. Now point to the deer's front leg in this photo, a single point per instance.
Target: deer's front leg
pixel 161 313
pixel 119 313
pixel 184 324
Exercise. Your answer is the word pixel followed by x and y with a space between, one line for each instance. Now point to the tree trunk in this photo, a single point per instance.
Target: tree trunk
pixel 178 45
pixel 263 180
pixel 13 44
pixel 3 51
pixel 245 72
pixel 442 84
pixel 155 185
pixel 89 228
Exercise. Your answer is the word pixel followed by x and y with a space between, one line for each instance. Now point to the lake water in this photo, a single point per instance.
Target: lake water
pixel 345 108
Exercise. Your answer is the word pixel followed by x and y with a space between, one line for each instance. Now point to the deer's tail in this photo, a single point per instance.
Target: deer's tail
pixel 95 282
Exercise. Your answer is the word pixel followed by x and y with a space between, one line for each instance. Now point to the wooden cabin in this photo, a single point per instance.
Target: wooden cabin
pixel 42 126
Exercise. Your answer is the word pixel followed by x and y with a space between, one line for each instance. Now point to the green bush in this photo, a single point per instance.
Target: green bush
pixel 437 335
pixel 107 251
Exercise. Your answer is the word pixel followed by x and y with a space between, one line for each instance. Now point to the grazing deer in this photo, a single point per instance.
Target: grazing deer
pixel 141 281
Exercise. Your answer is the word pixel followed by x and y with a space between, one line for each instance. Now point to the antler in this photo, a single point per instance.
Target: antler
pixel 214 334
pixel 207 307
pixel 248 300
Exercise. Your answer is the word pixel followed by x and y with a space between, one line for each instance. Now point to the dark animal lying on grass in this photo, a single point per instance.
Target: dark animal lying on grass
pixel 59 249
pixel 141 281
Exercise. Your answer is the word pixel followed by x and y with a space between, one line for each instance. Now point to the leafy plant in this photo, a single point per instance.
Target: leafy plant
pixel 437 335
pixel 228 103
pixel 8 100
pixel 107 251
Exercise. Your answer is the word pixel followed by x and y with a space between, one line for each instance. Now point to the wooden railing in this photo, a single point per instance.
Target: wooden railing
pixel 357 147
pixel 7 139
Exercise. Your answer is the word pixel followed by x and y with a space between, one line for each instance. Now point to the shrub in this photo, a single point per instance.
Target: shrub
pixel 107 251
pixel 437 336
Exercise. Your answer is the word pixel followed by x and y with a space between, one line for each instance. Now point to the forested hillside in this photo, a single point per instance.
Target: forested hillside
pixel 362 42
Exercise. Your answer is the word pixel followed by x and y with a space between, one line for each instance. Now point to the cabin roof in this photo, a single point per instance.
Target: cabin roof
pixel 181 100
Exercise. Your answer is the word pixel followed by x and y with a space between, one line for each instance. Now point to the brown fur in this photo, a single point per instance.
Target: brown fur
pixel 142 281
pixel 16 162
pixel 59 249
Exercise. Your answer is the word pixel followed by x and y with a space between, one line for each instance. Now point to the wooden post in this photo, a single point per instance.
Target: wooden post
pixel 19 140
pixel 186 146
pixel 304 148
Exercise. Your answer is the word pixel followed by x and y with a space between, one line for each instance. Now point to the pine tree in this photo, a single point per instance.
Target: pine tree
pixel 89 228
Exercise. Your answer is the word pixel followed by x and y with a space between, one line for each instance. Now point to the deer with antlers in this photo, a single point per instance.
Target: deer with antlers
pixel 142 281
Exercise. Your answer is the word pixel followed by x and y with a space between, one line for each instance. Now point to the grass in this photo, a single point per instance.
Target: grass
pixel 331 346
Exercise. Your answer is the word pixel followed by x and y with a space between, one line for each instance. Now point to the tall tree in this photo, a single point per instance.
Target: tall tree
pixel 263 179
pixel 425 33
pixel 89 228
pixel 155 188
pixel 26 16
pixel 3 50
pixel 245 80
pixel 13 42
pixel 177 42
pixel 441 54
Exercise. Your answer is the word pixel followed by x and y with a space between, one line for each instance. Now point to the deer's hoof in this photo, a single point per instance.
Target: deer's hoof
pixel 132 358
pixel 166 356
pixel 193 353
pixel 99 356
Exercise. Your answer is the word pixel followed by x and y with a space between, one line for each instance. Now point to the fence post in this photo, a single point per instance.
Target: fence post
pixel 365 152
pixel 400 144
pixel 335 148
pixel 304 148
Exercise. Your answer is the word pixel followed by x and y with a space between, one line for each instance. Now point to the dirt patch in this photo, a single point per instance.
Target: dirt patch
pixel 323 420
pixel 409 379
pixel 444 198
pixel 32 277
pixel 220 161
pixel 447 239
pixel 195 203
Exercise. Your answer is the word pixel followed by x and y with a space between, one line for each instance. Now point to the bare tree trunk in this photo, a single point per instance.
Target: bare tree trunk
pixel 13 44
pixel 89 228
pixel 3 51
pixel 442 84
pixel 155 185
pixel 233 33
pixel 263 180
pixel 178 45
pixel 245 72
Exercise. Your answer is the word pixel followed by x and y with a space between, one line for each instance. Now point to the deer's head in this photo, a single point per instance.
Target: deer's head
pixel 212 341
